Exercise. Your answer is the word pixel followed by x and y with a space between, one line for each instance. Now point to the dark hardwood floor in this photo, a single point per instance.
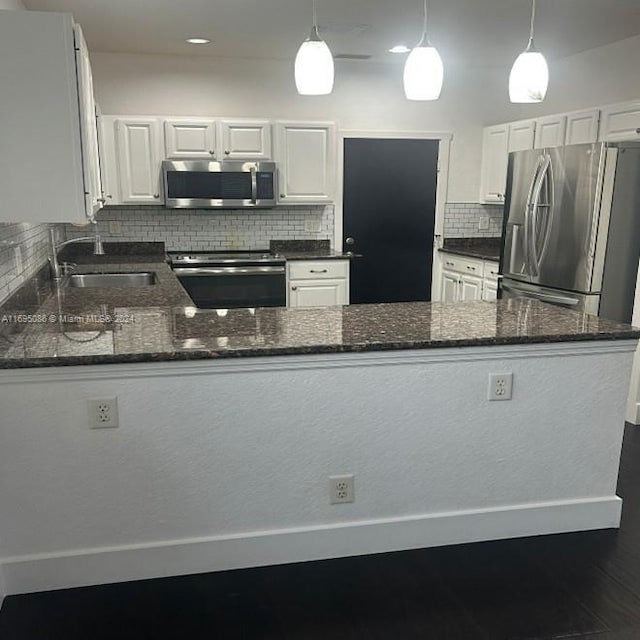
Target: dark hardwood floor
pixel 582 585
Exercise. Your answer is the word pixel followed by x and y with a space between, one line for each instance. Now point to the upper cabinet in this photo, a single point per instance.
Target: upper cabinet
pixel 202 138
pixel 495 150
pixel 190 138
pixel 305 152
pixel 49 165
pixel 521 135
pixel 550 132
pixel 139 156
pixel 250 139
pixel 620 122
pixel 582 126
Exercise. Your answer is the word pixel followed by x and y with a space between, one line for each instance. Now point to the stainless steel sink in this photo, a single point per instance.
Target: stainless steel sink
pixel 137 279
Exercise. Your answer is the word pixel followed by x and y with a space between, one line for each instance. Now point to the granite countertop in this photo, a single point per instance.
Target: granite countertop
pixel 308 250
pixel 483 248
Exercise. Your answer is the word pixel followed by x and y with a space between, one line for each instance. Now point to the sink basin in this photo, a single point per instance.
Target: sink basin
pixel 138 279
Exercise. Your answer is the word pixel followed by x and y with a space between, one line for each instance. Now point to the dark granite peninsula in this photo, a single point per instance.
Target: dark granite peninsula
pixel 482 248
pixel 231 422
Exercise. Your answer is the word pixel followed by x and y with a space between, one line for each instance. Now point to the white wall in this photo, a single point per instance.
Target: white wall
pixel 222 464
pixel 11 4
pixel 366 96
pixel 595 77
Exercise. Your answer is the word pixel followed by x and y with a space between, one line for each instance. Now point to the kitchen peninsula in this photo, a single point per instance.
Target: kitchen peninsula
pixel 230 423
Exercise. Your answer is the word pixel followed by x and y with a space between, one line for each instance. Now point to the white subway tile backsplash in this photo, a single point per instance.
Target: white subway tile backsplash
pixel 461 220
pixel 34 245
pixel 204 229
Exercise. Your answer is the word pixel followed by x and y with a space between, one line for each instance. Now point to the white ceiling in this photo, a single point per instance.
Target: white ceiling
pixel 471 32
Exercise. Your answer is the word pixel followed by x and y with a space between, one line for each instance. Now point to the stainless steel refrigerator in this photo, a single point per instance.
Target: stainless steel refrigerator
pixel 571 233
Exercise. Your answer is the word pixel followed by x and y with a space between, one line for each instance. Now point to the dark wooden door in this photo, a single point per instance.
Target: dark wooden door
pixel 389 212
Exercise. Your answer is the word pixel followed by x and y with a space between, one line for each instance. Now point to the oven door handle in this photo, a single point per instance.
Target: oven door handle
pixel 228 271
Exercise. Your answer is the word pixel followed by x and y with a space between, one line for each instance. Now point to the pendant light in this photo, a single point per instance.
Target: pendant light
pixel 529 77
pixel 314 64
pixel 423 71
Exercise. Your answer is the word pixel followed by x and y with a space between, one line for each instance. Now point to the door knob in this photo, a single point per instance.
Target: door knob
pixel 349 240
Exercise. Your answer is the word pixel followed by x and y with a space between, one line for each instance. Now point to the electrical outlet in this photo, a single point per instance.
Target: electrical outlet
pixel 500 386
pixel 341 489
pixel 103 413
pixel 312 225
pixel 114 228
pixel 483 223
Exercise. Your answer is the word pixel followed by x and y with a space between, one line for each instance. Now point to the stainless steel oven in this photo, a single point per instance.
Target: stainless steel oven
pixel 231 280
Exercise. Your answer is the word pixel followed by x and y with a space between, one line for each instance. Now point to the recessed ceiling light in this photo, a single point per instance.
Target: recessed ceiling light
pixel 198 40
pixel 399 48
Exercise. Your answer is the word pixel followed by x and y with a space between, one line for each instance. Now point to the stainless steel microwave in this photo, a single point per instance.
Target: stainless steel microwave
pixel 226 184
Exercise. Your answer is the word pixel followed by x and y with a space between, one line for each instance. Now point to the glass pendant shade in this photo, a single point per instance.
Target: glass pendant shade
pixel 314 72
pixel 529 78
pixel 423 74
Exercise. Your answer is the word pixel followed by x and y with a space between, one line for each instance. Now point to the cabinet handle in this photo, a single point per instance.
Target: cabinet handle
pixel 282 195
pixel 156 195
pixel 638 130
pixel 471 268
pixel 449 264
pixel 317 271
pixel 109 196
pixel 226 153
pixel 294 288
pixel 212 152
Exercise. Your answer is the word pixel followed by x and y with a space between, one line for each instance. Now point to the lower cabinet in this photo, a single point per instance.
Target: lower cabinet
pixel 465 279
pixel 317 283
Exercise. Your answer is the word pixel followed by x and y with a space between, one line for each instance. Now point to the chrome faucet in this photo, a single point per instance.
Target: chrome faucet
pixel 98 250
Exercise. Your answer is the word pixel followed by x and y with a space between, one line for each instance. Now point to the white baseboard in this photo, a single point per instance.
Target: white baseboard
pixel 82 567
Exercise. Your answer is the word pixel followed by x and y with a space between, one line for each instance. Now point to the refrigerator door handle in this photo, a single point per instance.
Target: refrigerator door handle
pixel 544 174
pixel 543 297
pixel 527 216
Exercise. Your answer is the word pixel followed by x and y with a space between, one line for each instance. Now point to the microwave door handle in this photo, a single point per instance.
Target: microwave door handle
pixel 254 185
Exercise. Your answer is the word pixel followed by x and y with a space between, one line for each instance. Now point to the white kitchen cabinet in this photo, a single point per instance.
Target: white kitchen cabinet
pixel 317 283
pixel 582 126
pixel 250 139
pixel 139 155
pixel 464 279
pixel 495 150
pixel 190 138
pixel 620 122
pixel 305 152
pixel 521 135
pixel 109 159
pixel 49 165
pixel 550 132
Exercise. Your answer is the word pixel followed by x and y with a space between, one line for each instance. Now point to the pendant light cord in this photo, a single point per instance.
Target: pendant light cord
pixel 533 17
pixel 315 17
pixel 424 39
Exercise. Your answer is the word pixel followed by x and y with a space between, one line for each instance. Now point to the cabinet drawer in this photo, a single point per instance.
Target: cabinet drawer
pixel 316 269
pixel 490 270
pixel 462 265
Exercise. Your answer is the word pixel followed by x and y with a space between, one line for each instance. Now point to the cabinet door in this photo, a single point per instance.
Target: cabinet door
pixel 318 293
pixel 550 132
pixel 139 160
pixel 450 287
pixel 521 136
pixel 246 139
pixel 494 163
pixel 470 288
pixel 490 289
pixel 189 138
pixel 620 122
pixel 88 128
pixel 582 126
pixel 305 153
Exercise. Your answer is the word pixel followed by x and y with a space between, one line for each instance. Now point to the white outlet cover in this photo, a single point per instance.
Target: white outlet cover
pixel 341 489
pixel 483 223
pixel 103 413
pixel 500 386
